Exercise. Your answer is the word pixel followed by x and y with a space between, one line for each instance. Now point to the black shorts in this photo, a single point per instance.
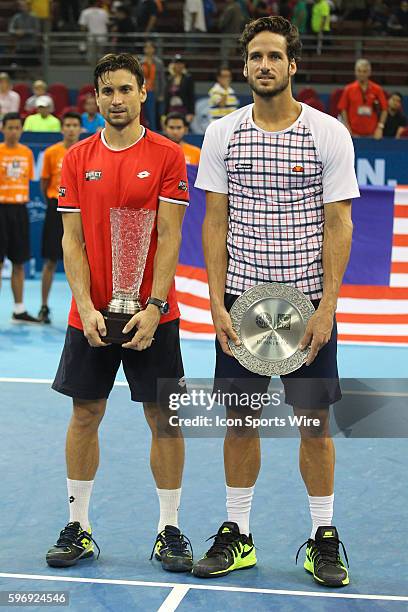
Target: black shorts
pixel 88 373
pixel 14 233
pixel 310 387
pixel 52 232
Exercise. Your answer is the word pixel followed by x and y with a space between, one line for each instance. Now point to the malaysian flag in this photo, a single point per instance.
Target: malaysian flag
pixel 373 303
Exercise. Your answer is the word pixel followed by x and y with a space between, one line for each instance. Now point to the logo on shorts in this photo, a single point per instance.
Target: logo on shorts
pixel 93 175
pixel 298 168
pixel 62 192
pixel 71 499
pixel 182 382
pixel 183 186
pixel 265 320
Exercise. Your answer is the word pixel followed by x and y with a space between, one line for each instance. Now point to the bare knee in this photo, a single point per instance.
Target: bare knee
pixel 87 415
pixel 240 424
pixel 162 421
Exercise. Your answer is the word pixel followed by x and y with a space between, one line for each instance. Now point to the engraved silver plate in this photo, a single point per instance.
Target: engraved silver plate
pixel 270 320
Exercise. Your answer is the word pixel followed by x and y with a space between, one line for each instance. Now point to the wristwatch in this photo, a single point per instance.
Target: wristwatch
pixel 162 306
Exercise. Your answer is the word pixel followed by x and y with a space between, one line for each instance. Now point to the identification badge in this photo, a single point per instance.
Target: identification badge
pixel 364 111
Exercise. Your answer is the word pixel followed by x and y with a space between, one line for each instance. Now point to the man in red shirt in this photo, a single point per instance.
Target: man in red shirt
pixel 124 166
pixel 363 104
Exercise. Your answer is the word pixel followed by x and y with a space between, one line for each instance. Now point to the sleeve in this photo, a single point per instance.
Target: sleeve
pixel 337 155
pixel 174 187
pixel 46 168
pixel 27 124
pixel 212 173
pixel 68 199
pixel 343 102
pixel 31 165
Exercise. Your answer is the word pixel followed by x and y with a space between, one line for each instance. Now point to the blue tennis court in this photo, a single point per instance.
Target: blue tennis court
pixel 370 506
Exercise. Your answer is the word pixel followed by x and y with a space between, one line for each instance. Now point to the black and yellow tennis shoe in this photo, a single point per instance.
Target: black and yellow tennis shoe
pixel 73 545
pixel 173 550
pixel 230 551
pixel 323 558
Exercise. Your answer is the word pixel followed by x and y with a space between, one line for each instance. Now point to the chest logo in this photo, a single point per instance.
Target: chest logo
pixel 298 168
pixel 93 175
pixel 243 166
pixel 143 174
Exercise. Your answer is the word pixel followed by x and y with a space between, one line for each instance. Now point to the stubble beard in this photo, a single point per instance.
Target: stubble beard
pixel 271 93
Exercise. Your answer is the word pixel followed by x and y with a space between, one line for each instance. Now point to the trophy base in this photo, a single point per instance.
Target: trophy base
pixel 115 322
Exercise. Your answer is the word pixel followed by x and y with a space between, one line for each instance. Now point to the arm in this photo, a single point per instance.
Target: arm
pixel 44 183
pixel 338 230
pixel 378 134
pixel 215 229
pixel 151 23
pixel 79 278
pixel 169 222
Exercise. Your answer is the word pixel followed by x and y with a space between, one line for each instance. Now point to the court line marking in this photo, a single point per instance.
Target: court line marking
pixel 173 600
pixel 49 381
pixel 204 587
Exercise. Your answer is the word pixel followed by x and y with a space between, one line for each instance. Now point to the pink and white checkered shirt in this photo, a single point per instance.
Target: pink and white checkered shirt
pixel 277 184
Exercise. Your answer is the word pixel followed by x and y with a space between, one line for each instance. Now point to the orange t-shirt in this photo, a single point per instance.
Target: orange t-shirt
pixel 52 166
pixel 149 71
pixel 191 153
pixel 16 171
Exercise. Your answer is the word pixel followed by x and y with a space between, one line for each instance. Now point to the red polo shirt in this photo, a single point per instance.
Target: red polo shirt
pixel 96 178
pixel 362 107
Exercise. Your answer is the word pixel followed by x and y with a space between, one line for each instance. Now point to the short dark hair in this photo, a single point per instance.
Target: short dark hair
pixel 12 117
pixel 118 61
pixel 71 115
pixel 176 115
pixel 276 25
pixel 221 69
pixel 397 93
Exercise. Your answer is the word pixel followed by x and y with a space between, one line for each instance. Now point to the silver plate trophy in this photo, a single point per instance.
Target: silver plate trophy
pixel 130 238
pixel 270 321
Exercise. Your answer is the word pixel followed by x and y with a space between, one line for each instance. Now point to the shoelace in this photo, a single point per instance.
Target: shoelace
pixel 328 550
pixel 71 533
pixel 222 541
pixel 176 542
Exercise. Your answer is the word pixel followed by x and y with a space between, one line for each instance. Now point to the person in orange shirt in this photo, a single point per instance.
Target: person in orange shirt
pixel 16 171
pixel 50 183
pixel 363 104
pixel 175 128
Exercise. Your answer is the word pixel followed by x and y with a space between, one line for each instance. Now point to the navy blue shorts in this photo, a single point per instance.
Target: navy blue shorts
pixel 310 387
pixel 88 373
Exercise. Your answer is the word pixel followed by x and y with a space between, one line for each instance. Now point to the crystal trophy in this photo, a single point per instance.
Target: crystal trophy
pixel 130 237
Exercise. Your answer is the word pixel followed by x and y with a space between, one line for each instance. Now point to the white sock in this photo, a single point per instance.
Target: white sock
pixel 169 500
pixel 19 308
pixel 79 494
pixel 321 511
pixel 239 501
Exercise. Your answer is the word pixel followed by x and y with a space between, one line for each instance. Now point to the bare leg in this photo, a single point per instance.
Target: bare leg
pixel 82 445
pixel 317 454
pixel 46 281
pixel 17 282
pixel 167 449
pixel 242 452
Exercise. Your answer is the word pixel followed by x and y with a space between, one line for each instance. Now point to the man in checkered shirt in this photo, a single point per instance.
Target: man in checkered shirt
pixel 279 177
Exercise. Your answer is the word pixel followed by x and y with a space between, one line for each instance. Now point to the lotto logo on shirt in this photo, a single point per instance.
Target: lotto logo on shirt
pixel 182 186
pixel 93 175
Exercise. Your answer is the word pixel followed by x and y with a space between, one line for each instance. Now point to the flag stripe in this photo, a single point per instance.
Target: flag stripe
pixel 363 306
pixel 400 226
pixel 192 300
pixel 350 317
pixel 399 267
pixel 196 327
pixel 401 212
pixel 373 292
pixel 399 253
pixel 192 272
pixel 374 329
pixel 400 240
pixel 399 280
pixel 373 339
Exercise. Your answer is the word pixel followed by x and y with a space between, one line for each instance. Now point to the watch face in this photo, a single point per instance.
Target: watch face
pixel 165 308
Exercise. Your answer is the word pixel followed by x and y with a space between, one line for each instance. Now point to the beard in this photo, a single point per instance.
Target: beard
pixel 268 94
pixel 120 121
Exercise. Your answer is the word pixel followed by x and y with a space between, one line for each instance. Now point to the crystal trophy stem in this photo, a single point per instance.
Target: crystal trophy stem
pixel 130 239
